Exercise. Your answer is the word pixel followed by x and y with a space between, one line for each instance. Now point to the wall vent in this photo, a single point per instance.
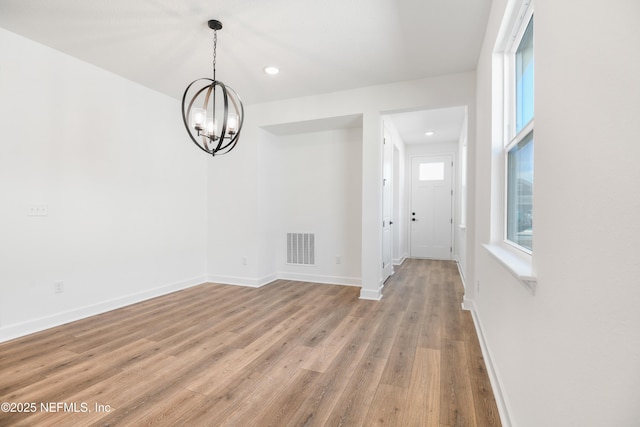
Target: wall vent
pixel 301 248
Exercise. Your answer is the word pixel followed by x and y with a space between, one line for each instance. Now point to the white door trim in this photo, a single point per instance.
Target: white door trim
pixel 387 203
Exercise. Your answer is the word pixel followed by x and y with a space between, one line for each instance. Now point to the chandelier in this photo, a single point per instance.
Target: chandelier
pixel 212 112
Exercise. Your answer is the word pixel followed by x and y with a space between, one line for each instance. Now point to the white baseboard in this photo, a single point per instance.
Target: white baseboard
pixel 464 283
pixel 399 261
pixel 373 295
pixel 242 281
pixel 370 294
pixel 267 279
pixel 17 330
pixel 496 384
pixel 300 277
pixel 329 280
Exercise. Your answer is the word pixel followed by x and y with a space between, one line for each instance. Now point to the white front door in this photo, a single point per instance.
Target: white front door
pixel 431 216
pixel 387 206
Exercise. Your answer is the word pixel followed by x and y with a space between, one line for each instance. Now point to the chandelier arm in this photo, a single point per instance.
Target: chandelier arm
pixel 233 141
pixel 184 117
pixel 205 145
pixel 197 93
pixel 206 139
pixel 223 131
pixel 228 147
pixel 239 110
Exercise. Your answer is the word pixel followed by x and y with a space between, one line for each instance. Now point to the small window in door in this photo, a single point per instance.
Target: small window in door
pixel 431 172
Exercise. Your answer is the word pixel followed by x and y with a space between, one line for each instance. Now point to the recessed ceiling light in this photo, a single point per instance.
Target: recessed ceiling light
pixel 430 133
pixel 271 70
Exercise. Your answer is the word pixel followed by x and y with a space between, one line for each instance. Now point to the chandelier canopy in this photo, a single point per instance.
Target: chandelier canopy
pixel 212 112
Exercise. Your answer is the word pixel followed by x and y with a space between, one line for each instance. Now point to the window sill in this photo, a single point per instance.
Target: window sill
pixel 521 268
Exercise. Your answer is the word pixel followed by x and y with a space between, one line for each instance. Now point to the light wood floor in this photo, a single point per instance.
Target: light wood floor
pixel 287 354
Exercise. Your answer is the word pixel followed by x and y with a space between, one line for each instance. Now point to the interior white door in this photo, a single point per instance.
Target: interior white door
pixel 387 206
pixel 431 207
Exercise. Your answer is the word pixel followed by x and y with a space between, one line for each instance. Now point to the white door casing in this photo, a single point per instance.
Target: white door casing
pixel 387 206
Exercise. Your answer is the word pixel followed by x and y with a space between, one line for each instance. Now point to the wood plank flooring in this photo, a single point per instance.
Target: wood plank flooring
pixel 287 354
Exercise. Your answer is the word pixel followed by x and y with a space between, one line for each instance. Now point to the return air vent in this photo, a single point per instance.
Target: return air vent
pixel 301 248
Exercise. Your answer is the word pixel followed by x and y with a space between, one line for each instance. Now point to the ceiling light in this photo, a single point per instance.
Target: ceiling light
pixel 430 133
pixel 271 70
pixel 213 130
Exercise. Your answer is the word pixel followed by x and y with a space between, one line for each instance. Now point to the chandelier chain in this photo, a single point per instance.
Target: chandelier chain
pixel 215 44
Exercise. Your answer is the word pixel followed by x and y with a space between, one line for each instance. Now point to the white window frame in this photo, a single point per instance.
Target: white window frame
pixel 515 258
pixel 511 138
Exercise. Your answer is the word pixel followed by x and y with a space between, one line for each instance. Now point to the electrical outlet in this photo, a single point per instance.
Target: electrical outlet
pixel 478 286
pixel 37 210
pixel 244 260
pixel 338 259
pixel 58 287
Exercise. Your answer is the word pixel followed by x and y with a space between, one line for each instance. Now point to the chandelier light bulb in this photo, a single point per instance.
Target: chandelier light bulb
pixel 198 116
pixel 212 129
pixel 232 123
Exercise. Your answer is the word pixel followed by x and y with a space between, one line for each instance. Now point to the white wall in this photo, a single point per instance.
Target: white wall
pixel 316 188
pixel 125 190
pixel 236 228
pixel 570 355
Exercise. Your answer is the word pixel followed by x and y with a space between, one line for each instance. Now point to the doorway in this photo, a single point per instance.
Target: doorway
pixel 431 214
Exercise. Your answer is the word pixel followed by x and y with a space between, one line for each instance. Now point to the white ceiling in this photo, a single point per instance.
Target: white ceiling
pixel 446 123
pixel 320 46
pixel 353 121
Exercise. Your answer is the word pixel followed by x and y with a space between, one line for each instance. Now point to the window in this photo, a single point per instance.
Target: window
pixel 513 135
pixel 520 193
pixel 431 172
pixel 519 141
pixel 524 78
